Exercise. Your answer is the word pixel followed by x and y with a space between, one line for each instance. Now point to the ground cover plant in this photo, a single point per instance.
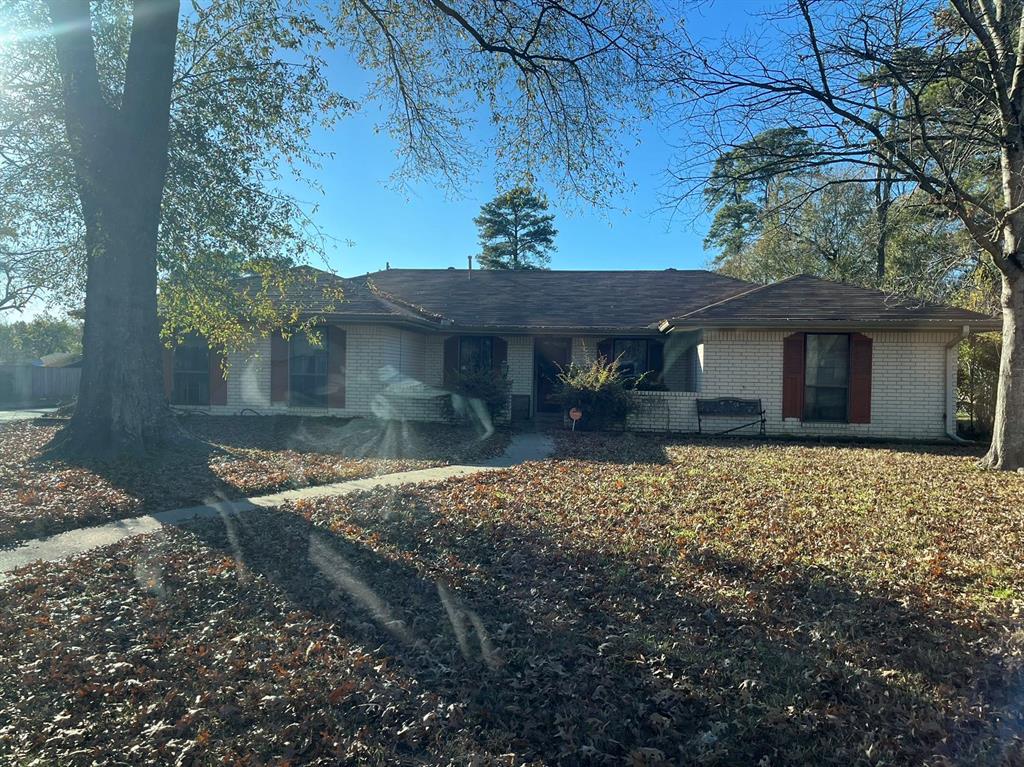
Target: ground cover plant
pixel 228 458
pixel 659 603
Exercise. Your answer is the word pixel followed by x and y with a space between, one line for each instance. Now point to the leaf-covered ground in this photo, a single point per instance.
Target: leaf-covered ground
pixel 712 604
pixel 232 457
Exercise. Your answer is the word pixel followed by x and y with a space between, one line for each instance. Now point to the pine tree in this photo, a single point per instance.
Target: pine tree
pixel 515 231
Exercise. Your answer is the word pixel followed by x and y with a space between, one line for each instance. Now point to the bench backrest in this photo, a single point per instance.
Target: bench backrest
pixel 729 406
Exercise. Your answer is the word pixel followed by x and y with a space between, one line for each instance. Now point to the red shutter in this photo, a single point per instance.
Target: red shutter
pixel 335 366
pixel 168 358
pixel 278 368
pixel 451 359
pixel 860 378
pixel 218 384
pixel 605 348
pixel 499 354
pixel 793 375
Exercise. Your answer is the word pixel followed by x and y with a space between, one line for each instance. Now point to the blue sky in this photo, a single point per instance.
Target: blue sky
pixel 424 226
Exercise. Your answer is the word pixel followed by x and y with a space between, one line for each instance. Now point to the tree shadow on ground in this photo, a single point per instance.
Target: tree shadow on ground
pixel 223 458
pixel 348 437
pixel 566 654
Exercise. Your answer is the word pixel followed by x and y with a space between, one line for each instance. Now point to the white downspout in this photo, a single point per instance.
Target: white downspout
pixel 951 376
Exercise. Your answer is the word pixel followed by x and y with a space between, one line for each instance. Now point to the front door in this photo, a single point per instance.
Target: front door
pixel 550 357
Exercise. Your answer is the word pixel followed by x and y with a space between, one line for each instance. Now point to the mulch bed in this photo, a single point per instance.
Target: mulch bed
pixel 720 605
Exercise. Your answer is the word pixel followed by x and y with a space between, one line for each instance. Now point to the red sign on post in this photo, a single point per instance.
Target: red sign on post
pixel 575 414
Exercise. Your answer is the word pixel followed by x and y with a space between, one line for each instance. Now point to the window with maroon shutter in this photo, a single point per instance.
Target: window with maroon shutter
pixel 190 372
pixel 827 377
pixel 793 376
pixel 860 378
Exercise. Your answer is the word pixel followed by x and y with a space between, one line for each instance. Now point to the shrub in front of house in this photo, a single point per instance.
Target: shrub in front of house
pixel 484 384
pixel 600 391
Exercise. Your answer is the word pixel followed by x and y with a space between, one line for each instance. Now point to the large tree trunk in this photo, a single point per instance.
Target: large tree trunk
pixel 120 159
pixel 1007 451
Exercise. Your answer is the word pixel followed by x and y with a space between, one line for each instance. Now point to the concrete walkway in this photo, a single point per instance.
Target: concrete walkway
pixel 527 446
pixel 25 414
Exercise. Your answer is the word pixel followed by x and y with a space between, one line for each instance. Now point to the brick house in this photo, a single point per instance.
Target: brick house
pixel 824 358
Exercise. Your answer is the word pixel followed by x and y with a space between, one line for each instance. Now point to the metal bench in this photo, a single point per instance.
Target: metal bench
pixel 731 407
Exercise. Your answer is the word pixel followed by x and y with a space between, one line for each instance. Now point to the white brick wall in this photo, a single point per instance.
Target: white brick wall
pixel 390 372
pixel 909 394
pixel 398 374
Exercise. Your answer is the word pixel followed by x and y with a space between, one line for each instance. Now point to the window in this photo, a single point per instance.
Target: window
pixel 632 356
pixel 475 353
pixel 191 373
pixel 307 372
pixel 827 377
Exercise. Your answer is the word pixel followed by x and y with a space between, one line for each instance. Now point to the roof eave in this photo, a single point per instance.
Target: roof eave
pixel 975 325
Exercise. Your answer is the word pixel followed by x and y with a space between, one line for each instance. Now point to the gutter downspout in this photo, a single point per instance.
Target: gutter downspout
pixel 951 376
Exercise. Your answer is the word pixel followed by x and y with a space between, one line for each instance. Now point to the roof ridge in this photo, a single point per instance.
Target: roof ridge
pixel 743 294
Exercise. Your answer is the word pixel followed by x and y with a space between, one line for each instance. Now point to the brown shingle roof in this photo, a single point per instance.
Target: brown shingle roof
pixel 807 299
pixel 553 300
pixel 637 301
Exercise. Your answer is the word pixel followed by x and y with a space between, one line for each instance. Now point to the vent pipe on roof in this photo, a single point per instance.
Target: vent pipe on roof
pixel 469 262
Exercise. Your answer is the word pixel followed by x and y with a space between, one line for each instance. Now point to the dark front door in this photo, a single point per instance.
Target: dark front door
pixel 550 357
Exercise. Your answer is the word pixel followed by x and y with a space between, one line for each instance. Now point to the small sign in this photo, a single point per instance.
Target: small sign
pixel 575 414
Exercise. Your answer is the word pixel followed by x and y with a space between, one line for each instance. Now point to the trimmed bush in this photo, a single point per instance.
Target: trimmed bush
pixel 600 391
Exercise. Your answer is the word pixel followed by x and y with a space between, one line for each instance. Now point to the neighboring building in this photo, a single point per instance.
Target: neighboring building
pixel 824 358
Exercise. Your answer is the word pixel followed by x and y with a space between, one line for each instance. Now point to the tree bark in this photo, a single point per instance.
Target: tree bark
pixel 120 159
pixel 1007 450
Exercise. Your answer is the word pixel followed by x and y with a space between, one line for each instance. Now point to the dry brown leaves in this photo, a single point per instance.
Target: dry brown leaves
pixel 232 457
pixel 713 603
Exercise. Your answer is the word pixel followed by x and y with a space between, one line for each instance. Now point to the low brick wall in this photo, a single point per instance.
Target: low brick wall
pixel 664 411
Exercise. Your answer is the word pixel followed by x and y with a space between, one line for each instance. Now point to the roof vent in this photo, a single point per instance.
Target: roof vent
pixel 671 269
pixel 451 268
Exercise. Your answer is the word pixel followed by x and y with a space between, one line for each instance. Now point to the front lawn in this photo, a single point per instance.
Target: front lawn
pixel 231 457
pixel 715 603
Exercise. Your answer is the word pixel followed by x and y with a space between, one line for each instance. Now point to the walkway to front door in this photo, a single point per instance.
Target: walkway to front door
pixel 551 355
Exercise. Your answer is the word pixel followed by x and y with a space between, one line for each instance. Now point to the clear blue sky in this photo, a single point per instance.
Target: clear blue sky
pixel 427 228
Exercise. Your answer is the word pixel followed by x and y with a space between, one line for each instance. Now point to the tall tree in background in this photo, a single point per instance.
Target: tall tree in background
pixel 555 75
pixel 954 73
pixel 516 231
pixel 23 341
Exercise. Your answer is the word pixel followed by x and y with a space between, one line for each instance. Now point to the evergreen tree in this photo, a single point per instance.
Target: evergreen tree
pixel 516 232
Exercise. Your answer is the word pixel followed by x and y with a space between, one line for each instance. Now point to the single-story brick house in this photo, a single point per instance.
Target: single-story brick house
pixel 824 358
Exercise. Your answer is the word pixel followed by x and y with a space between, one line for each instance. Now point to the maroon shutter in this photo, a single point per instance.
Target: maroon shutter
pixel 278 368
pixel 168 358
pixel 499 354
pixel 860 378
pixel 335 366
pixel 451 359
pixel 793 375
pixel 218 384
pixel 605 348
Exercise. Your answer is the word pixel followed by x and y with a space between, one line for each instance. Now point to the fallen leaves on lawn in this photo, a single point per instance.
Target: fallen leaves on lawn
pixel 726 604
pixel 232 457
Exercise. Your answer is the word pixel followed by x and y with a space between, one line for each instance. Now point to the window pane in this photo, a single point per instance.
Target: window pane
pixel 307 372
pixel 827 377
pixel 632 356
pixel 475 353
pixel 191 369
